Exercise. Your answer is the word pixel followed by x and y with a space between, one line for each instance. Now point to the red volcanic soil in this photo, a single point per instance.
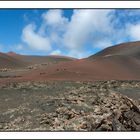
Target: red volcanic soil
pixel 120 62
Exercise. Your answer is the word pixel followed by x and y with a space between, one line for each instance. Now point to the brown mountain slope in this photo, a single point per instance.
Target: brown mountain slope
pixel 31 59
pixel 13 60
pixel 131 49
pixel 120 62
pixel 7 61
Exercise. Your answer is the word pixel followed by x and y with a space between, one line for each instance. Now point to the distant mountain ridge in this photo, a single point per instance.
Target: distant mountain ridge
pixel 14 60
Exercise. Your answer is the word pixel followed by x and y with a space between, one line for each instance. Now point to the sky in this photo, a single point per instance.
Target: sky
pixel 77 33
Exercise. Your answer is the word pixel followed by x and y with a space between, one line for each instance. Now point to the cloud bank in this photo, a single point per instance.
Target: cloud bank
pixel 34 40
pixel 82 33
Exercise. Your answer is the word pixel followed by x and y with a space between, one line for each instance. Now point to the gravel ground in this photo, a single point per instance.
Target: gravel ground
pixel 70 106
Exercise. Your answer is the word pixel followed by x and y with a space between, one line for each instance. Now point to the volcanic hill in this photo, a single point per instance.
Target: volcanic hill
pixel 120 62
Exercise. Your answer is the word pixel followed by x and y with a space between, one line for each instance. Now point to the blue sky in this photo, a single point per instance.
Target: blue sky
pixel 76 32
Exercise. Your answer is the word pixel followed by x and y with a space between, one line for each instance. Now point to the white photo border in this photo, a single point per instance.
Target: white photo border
pixel 67 5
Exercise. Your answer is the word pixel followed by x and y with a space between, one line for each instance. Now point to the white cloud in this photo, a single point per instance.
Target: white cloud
pixel 103 44
pixel 50 31
pixel 19 47
pixel 55 38
pixel 71 35
pixel 55 52
pixel 35 40
pixel 77 54
pixel 53 20
pixel 134 31
pixel 86 28
pixel 83 24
